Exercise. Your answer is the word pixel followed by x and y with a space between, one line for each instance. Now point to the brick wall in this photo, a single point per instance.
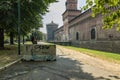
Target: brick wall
pixel 109 46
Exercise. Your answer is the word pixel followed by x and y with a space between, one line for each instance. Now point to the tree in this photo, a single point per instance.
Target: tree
pixel 5 16
pixel 38 34
pixel 31 16
pixel 111 17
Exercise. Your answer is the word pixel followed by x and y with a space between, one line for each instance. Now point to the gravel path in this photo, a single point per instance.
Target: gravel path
pixel 70 65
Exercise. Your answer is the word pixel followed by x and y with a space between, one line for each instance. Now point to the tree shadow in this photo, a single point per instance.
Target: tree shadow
pixel 62 69
pixel 116 77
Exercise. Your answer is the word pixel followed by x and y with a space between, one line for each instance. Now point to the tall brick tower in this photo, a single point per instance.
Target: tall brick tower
pixel 70 13
pixel 71 5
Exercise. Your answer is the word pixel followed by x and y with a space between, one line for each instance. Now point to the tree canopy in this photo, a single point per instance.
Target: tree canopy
pixel 31 15
pixel 111 17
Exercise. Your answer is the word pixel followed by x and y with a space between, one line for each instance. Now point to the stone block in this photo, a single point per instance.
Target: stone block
pixel 36 52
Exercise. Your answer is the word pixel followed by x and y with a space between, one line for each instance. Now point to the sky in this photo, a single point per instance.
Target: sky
pixel 55 13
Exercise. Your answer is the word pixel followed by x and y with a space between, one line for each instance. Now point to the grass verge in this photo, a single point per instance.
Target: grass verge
pixel 28 42
pixel 112 57
pixel 8 55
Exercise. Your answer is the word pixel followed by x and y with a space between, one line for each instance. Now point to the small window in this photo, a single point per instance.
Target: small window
pixel 77 36
pixel 93 34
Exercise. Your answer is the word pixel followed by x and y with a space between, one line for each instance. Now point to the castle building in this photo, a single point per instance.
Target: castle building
pixel 59 34
pixel 70 13
pixel 51 27
pixel 85 31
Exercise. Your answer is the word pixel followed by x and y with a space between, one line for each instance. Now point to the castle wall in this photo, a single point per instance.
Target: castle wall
pixel 105 39
pixel 109 46
pixel 86 31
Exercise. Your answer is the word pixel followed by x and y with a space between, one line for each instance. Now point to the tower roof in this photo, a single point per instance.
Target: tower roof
pixel 52 23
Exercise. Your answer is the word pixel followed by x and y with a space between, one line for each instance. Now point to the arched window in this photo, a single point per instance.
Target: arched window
pixel 77 36
pixel 93 33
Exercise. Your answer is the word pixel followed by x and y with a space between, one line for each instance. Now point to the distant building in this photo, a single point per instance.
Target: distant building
pixel 51 27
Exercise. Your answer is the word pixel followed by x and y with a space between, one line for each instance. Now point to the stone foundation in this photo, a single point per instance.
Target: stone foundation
pixel 62 43
pixel 109 46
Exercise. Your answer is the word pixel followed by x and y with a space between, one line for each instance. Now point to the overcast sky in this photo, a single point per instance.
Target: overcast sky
pixel 55 13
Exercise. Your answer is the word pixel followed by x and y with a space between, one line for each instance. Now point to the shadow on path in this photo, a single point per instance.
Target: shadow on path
pixel 62 69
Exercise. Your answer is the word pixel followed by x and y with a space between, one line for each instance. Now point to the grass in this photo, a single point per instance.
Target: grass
pixel 112 57
pixel 28 42
pixel 9 54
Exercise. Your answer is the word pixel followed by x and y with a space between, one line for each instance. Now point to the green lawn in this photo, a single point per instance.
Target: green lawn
pixel 9 54
pixel 28 42
pixel 112 57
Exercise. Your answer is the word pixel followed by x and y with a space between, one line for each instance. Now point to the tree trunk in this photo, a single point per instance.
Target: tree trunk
pixel 23 39
pixel 11 38
pixel 1 38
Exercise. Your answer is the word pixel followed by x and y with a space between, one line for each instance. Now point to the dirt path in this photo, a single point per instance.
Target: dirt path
pixel 93 65
pixel 70 65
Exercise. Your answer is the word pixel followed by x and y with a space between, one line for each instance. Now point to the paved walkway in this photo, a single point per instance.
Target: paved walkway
pixel 70 65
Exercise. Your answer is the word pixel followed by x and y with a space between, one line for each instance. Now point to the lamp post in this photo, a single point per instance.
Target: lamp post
pixel 19 25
